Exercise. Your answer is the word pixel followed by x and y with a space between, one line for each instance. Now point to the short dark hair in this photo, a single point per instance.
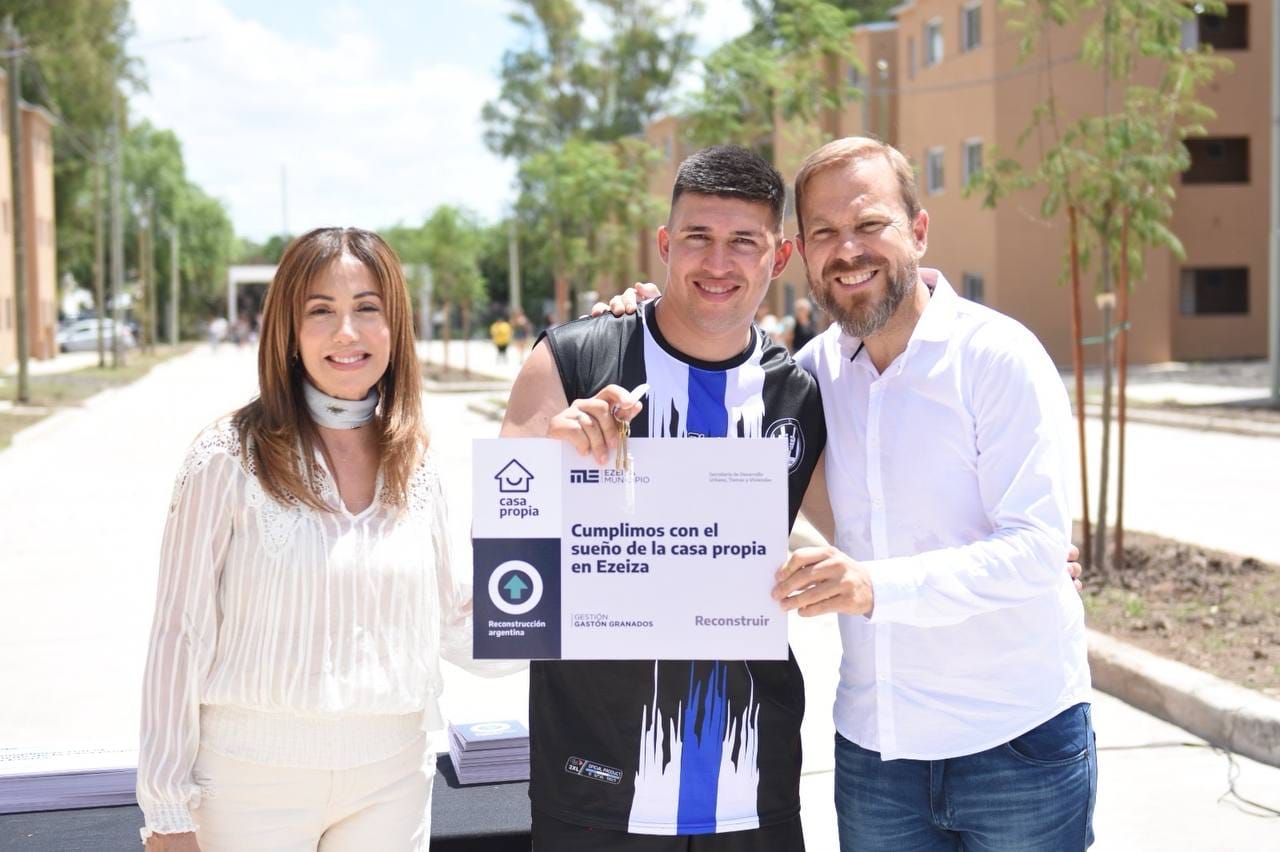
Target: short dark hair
pixel 730 171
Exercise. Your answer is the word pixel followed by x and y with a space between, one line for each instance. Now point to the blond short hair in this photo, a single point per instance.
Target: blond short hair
pixel 851 149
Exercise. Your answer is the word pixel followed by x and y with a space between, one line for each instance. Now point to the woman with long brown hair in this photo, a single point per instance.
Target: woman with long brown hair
pixel 305 593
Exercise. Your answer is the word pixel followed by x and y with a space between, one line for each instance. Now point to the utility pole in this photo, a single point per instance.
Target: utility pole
pixel 19 206
pixel 144 292
pixel 174 284
pixel 1274 301
pixel 98 246
pixel 149 261
pixel 513 261
pixel 117 238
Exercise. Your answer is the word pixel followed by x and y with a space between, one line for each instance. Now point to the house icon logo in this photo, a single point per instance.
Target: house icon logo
pixel 514 478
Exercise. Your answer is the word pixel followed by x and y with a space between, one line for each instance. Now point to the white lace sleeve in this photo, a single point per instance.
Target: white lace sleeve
pixel 184 633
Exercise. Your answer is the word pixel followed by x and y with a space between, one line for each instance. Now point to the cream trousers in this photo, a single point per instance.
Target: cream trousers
pixel 252 807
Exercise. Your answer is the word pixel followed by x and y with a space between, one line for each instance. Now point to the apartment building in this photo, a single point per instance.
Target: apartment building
pixel 962 90
pixel 943 82
pixel 41 242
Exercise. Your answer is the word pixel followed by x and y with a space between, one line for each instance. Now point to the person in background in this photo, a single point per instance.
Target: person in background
pixel 520 327
pixel 307 590
pixel 500 333
pixel 803 327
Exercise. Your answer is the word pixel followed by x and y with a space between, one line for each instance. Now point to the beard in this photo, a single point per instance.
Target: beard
pixel 862 315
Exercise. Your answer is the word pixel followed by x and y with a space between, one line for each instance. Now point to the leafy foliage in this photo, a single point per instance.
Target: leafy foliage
pixel 1123 158
pixel 77 61
pixel 780 70
pixel 565 85
pixel 155 174
pixel 582 203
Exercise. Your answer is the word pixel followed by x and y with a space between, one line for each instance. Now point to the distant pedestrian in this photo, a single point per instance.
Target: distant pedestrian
pixel 500 332
pixel 521 327
pixel 803 328
pixel 306 589
pixel 217 330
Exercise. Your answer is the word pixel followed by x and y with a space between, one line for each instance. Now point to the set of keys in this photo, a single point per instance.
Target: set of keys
pixel 622 459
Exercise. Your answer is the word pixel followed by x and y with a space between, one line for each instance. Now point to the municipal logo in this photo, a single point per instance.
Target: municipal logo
pixel 789 428
pixel 515 587
pixel 514 478
pixel 578 476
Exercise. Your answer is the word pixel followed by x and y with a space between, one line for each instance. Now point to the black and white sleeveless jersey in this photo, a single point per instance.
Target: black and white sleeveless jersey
pixel 677 747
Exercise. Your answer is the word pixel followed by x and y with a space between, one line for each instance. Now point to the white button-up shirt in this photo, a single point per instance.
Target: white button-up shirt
pixel 948 477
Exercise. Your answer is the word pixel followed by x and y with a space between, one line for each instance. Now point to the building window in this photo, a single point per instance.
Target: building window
pixel 911 58
pixel 973 287
pixel 1224 32
pixel 970 160
pixel 666 149
pixel 933 171
pixel 1218 159
pixel 971 27
pixel 1215 290
pixel 932 42
pixel 855 77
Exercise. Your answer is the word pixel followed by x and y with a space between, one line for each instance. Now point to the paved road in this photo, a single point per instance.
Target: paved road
pixel 82 502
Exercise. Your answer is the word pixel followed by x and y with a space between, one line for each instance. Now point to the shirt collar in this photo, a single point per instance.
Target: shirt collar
pixel 934 324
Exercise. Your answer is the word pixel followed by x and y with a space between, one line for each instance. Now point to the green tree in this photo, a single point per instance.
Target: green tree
pixel 155 177
pixel 206 242
pixel 269 252
pixel 1111 172
pixel 582 203
pixel 564 84
pixel 782 69
pixel 77 62
pixel 450 243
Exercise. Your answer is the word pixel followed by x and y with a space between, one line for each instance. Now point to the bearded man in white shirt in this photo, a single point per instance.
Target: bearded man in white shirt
pixel 962 717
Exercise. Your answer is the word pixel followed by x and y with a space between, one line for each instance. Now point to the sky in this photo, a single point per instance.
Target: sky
pixel 302 113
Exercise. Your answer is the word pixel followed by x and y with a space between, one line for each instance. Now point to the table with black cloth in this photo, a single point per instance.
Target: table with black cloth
pixel 472 818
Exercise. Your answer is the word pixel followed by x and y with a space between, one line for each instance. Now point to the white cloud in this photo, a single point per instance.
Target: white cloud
pixel 365 141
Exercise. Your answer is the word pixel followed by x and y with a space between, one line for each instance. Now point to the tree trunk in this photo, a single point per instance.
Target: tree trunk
pixel 100 302
pixel 1077 366
pixel 446 331
pixel 561 313
pixel 465 307
pixel 1122 358
pixel 1104 468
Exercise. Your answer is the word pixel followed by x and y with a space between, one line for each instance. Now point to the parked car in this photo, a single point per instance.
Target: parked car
pixel 82 335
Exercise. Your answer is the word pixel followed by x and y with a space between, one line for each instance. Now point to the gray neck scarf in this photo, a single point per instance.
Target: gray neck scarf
pixel 333 413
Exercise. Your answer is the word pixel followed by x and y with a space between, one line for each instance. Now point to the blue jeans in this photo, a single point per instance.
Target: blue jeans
pixel 1034 793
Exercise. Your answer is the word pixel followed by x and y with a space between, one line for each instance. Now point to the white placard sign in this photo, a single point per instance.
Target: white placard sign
pixel 569 565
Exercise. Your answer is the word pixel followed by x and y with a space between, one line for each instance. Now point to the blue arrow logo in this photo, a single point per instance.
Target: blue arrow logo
pixel 515 587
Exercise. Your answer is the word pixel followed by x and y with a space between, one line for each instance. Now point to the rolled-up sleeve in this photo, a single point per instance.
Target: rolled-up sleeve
pixel 197 536
pixel 1021 420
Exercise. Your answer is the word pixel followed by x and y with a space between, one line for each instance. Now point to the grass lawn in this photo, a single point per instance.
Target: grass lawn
pixel 54 391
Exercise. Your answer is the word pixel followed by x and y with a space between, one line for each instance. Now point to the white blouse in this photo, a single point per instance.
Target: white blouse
pixel 289 636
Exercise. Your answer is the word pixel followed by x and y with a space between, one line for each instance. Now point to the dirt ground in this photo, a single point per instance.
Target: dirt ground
pixel 1216 611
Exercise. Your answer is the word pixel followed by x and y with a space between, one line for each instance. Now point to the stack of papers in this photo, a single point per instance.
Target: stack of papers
pixel 489 752
pixel 63 778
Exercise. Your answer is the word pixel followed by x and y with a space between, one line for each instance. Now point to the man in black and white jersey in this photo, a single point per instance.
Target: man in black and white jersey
pixel 701 755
